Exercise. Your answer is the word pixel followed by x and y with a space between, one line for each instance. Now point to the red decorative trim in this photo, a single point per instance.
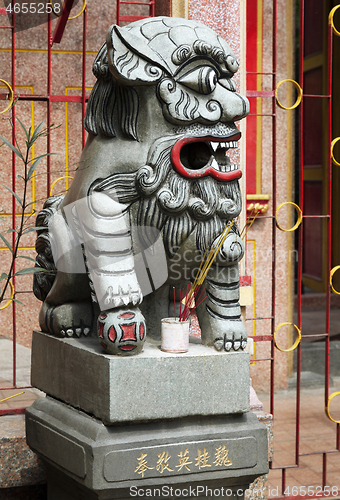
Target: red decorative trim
pixel 141 331
pixel 127 315
pixel 245 280
pixel 100 330
pixel 129 332
pixel 252 40
pixel 128 347
pixel 207 170
pixel 112 334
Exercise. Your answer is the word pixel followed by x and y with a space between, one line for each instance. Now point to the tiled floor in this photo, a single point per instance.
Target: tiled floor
pixel 21 401
pixel 23 376
pixel 317 435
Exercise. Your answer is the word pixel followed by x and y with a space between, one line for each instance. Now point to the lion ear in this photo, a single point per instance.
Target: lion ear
pixel 131 60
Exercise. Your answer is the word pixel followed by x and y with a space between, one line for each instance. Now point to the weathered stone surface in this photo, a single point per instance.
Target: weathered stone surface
pixel 232 450
pixel 153 385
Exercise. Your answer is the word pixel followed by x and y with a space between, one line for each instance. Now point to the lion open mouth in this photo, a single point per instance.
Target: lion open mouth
pixel 195 157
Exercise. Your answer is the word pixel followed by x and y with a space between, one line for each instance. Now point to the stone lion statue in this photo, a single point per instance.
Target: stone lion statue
pixel 154 190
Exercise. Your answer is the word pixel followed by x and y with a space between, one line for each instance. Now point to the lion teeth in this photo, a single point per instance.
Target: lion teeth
pixel 224 145
pixel 214 164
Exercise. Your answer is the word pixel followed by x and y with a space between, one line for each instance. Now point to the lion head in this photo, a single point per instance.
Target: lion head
pixel 169 82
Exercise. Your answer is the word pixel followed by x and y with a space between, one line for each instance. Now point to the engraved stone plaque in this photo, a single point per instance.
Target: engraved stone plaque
pixel 180 458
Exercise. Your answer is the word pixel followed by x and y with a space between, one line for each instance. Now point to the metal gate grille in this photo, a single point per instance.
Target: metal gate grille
pixel 44 181
pixel 288 484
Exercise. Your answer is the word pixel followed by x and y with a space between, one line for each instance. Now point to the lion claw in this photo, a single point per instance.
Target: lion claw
pixel 227 344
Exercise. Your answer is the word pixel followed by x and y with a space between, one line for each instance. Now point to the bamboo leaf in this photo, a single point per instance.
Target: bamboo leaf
pixel 18 301
pixel 30 270
pixel 26 257
pixel 41 156
pixel 23 128
pixel 3 276
pixel 33 167
pixel 36 134
pixel 49 129
pixel 11 231
pixel 6 243
pixel 37 228
pixel 14 194
pixel 13 148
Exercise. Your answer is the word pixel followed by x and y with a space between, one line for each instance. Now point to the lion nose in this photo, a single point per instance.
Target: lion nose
pixel 245 107
pixel 235 107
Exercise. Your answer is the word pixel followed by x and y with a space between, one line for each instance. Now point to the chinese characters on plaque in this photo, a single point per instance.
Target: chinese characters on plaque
pixel 202 460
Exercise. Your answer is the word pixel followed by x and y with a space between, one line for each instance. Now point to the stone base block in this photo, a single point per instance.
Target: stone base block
pixel 92 461
pixel 152 385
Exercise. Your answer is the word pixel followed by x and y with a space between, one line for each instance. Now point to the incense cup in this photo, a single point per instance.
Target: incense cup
pixel 175 335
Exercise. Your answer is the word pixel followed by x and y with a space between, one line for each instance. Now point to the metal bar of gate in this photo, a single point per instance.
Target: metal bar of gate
pixel 49 84
pixel 274 59
pixel 131 18
pixel 328 218
pixel 13 207
pixel 83 83
pixel 300 240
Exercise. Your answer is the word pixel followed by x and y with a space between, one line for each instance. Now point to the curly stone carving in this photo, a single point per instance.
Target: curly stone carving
pixel 181 54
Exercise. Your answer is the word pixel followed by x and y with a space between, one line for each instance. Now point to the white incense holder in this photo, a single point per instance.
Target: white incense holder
pixel 175 335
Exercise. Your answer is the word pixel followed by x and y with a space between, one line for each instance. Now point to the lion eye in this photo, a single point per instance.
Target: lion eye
pixel 202 80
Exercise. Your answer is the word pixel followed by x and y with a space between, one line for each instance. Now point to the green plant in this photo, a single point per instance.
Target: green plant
pixel 30 164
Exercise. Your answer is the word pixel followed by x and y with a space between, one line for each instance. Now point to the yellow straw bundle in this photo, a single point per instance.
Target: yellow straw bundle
pixel 207 262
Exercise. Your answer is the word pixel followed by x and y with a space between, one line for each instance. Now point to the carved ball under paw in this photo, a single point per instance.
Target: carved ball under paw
pixel 122 331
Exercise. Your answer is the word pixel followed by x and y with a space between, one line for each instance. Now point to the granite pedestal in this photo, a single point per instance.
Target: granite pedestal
pixel 152 385
pixel 116 427
pixel 99 461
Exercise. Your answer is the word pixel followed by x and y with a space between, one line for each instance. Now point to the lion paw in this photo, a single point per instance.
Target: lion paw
pixel 234 339
pixel 68 320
